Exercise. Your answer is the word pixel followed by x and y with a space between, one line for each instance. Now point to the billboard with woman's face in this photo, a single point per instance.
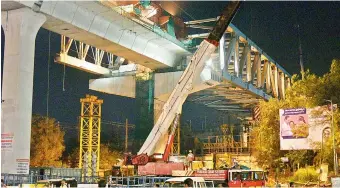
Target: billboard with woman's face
pixel 300 128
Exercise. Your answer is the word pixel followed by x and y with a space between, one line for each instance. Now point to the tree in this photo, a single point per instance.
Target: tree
pixel 266 143
pixel 198 146
pixel 309 92
pixel 326 155
pixel 47 142
pixel 186 138
pixel 72 160
pixel 108 157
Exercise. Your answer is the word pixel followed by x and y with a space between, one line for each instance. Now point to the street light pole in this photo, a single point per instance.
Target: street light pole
pixel 321 160
pixel 333 134
pixel 334 149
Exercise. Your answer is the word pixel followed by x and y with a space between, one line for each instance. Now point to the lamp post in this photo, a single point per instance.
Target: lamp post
pixel 324 131
pixel 333 134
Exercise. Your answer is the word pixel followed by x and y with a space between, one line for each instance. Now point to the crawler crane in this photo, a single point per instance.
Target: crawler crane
pixel 158 144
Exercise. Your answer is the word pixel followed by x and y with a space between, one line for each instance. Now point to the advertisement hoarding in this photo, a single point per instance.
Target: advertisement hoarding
pixel 7 141
pixel 22 166
pixel 301 128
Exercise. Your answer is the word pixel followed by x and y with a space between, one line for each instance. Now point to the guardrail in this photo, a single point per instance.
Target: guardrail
pixel 129 181
pixel 135 181
pixel 17 179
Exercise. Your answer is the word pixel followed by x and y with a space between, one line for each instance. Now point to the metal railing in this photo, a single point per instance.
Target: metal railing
pixel 135 181
pixel 17 179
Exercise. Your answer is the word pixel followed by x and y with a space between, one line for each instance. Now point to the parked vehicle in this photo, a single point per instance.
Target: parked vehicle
pixel 71 182
pixel 193 182
pixel 233 177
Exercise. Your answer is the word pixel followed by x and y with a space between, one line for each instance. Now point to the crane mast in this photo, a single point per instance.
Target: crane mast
pixel 173 106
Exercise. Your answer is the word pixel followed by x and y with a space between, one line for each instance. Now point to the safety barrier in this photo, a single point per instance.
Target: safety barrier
pixel 135 181
pixel 17 179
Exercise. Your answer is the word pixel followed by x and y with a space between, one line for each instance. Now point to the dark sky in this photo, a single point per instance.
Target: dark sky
pixel 271 25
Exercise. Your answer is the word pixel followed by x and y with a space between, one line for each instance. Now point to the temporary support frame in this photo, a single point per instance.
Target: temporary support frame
pixel 176 147
pixel 90 121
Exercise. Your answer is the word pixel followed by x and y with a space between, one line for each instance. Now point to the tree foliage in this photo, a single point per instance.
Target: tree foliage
pixel 47 142
pixel 308 174
pixel 72 159
pixel 308 92
pixel 108 157
pixel 265 134
pixel 187 138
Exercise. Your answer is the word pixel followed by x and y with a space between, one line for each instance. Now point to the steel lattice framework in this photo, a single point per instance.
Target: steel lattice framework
pixel 176 146
pixel 90 121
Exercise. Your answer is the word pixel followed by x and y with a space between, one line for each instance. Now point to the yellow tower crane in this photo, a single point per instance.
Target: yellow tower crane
pixel 90 120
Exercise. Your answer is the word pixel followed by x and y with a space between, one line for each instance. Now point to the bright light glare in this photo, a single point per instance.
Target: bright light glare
pixel 221 49
pixel 209 62
pixel 149 12
pixel 128 8
pixel 85 65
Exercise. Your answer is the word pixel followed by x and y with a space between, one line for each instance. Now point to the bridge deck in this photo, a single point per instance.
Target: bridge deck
pixel 239 62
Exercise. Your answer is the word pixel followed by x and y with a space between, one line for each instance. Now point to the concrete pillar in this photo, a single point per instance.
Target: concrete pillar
pixel 21 27
pixel 145 110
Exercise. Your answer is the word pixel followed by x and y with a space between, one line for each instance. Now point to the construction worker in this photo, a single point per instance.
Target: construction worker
pixel 190 159
pixel 63 184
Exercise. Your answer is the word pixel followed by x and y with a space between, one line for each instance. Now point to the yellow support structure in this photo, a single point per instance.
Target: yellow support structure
pixel 176 146
pixel 90 120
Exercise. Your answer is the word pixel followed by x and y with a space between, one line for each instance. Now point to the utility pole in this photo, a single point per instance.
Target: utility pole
pixel 300 48
pixel 334 150
pixel 300 53
pixel 126 134
pixel 333 134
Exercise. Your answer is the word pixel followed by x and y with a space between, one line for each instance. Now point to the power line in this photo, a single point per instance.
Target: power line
pixel 184 11
pixel 48 73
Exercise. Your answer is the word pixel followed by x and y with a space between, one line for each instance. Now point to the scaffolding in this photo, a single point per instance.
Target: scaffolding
pixel 90 120
pixel 226 142
pixel 176 146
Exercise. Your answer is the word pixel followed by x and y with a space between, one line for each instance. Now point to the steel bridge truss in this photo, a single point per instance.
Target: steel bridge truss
pixel 82 56
pixel 90 120
pixel 243 63
pixel 79 55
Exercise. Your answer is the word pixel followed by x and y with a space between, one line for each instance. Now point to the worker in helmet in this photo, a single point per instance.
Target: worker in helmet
pixel 190 159
pixel 63 184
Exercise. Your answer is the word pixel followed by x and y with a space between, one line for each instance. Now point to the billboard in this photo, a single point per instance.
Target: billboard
pixel 301 128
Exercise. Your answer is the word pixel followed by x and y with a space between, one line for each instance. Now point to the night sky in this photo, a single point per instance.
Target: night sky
pixel 271 25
